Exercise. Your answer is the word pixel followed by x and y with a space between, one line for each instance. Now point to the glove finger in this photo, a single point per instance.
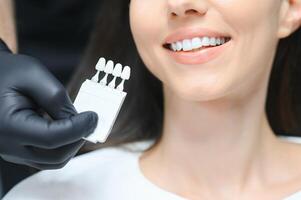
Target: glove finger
pixel 41 166
pixel 35 165
pixel 54 134
pixel 14 159
pixel 54 156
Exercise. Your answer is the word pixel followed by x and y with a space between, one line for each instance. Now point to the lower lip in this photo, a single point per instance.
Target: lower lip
pixel 200 56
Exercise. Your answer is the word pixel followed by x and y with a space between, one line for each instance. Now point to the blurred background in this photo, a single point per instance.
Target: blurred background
pixel 56 32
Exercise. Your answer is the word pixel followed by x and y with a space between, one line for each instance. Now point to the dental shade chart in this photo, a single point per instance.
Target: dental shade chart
pixel 103 98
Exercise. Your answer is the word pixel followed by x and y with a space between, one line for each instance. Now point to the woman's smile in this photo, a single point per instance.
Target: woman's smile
pixel 195 46
pixel 198 56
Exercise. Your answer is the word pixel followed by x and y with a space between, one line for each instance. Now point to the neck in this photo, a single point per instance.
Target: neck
pixel 217 144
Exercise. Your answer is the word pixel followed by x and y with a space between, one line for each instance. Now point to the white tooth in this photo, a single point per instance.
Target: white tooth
pixel 205 41
pixel 174 46
pixel 222 40
pixel 218 41
pixel 196 43
pixel 179 46
pixel 187 45
pixel 212 41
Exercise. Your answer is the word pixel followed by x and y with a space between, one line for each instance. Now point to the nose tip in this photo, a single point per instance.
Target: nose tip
pixel 182 8
pixel 185 12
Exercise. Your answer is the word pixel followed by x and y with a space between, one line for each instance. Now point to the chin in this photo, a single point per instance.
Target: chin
pixel 198 93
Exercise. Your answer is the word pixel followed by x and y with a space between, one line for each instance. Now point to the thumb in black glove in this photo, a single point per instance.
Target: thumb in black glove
pixel 26 87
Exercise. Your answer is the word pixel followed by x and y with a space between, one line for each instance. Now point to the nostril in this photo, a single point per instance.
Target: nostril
pixel 190 11
pixel 187 12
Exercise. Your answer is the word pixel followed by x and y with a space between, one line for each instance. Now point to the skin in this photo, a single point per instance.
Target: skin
pixel 217 143
pixel 7 28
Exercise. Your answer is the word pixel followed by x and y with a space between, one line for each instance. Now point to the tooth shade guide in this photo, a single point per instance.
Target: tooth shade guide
pixel 110 77
pixel 112 74
pixel 103 99
pixel 95 78
pixel 101 64
pixel 116 73
pixel 109 67
pixel 125 75
pixel 108 70
pixel 117 70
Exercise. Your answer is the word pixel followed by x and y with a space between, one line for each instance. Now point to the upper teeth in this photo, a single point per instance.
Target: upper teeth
pixel 195 43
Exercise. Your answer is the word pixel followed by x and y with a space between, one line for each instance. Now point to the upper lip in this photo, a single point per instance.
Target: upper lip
pixel 190 33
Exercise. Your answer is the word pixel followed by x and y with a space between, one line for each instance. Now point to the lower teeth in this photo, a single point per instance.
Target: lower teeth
pixel 198 49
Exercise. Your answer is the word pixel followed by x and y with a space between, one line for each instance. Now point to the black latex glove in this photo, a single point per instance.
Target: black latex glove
pixel 26 137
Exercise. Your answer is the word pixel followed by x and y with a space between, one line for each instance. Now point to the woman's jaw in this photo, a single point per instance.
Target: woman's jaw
pixel 203 52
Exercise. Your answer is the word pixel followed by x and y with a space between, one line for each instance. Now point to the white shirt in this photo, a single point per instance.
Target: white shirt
pixel 106 174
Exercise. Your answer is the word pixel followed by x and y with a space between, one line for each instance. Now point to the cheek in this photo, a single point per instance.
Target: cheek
pixel 254 26
pixel 254 30
pixel 248 15
pixel 143 19
pixel 146 23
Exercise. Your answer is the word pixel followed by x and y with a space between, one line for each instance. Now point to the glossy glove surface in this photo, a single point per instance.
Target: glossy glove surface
pixel 26 137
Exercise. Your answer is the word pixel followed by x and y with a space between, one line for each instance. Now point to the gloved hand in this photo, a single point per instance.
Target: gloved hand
pixel 26 137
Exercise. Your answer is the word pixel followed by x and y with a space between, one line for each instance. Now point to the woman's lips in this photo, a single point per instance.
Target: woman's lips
pixel 200 56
